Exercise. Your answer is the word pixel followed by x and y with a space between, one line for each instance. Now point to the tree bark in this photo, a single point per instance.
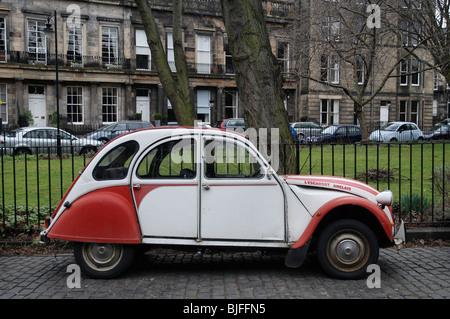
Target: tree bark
pixel 176 88
pixel 258 74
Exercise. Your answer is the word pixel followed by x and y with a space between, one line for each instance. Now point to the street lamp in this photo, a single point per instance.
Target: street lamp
pixel 48 31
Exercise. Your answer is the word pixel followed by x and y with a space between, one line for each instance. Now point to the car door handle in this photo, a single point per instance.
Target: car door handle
pixel 137 186
pixel 206 187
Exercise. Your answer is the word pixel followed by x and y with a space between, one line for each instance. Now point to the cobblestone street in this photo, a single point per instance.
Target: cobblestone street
pixel 408 273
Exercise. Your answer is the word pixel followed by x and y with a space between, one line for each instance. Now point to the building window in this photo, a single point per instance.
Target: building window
pixel 203 54
pixel 3 40
pixel 329 112
pixel 415 70
pixel 110 45
pixel 334 70
pixel 231 104
pixel 229 68
pixel 3 104
pixel 170 52
pixel 75 104
pixel 109 105
pixel 283 56
pixel 415 107
pixel 74 38
pixel 331 28
pixel 360 69
pixel 403 114
pixel 143 56
pixel 203 109
pixel 329 69
pixel 324 68
pixel 36 41
pixel 403 72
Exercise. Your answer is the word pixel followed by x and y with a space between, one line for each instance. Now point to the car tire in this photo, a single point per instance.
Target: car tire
pixel 345 248
pixel 22 151
pixel 88 150
pixel 103 261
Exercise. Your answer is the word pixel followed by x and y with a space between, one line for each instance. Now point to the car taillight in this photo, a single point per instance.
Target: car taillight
pixel 48 221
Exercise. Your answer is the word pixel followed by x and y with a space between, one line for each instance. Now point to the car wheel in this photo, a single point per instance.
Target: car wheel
pixel 88 150
pixel 346 247
pixel 22 151
pixel 103 261
pixel 393 140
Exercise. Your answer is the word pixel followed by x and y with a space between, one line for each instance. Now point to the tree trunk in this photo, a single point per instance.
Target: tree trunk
pixel 258 75
pixel 176 88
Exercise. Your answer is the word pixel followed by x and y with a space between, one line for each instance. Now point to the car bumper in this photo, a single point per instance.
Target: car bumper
pixel 400 235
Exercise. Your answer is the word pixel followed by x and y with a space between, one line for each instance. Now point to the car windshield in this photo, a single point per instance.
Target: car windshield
pixel 390 127
pixel 442 128
pixel 329 130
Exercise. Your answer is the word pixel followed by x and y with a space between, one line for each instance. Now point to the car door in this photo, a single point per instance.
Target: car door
pixel 239 200
pixel 165 189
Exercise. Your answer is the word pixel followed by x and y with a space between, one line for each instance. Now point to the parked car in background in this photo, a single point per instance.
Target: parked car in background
pixel 440 132
pixel 111 131
pixel 304 129
pixel 397 132
pixel 32 140
pixel 231 124
pixel 337 134
pixel 445 122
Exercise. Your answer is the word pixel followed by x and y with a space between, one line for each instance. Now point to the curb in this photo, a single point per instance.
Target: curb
pixel 428 233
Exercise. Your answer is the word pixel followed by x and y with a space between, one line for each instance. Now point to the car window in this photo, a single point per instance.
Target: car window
pixel 120 127
pixel 225 159
pixel 115 164
pixel 134 126
pixel 341 131
pixel 172 159
pixel 35 134
pixel 353 130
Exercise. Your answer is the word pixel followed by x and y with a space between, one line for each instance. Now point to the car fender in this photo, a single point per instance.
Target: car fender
pixel 105 216
pixel 373 208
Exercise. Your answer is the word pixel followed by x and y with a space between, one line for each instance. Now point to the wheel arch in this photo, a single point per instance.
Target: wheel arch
pixel 357 213
pixel 349 207
pixel 104 216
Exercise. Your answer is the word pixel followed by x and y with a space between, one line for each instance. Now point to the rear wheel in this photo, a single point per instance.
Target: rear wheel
pixel 98 260
pixel 346 247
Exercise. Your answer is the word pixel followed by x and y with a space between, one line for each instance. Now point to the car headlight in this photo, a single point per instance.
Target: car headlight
pixel 385 198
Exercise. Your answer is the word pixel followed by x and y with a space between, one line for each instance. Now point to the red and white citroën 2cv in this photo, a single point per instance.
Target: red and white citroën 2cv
pixel 208 188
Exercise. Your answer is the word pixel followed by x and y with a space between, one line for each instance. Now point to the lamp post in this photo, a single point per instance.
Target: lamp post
pixel 48 31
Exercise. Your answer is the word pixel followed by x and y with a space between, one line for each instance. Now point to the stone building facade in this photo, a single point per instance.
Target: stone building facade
pixel 105 72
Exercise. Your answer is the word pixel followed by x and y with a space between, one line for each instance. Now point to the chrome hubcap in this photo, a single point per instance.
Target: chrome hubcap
pixel 347 250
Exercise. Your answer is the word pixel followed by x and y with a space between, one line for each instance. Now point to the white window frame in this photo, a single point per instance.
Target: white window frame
pixel 331 112
pixel 415 113
pixel 203 106
pixel 415 77
pixel 4 102
pixel 203 54
pixel 75 39
pixel 77 101
pixel 110 41
pixel 334 70
pixel 403 115
pixel 111 94
pixel 170 52
pixel 404 67
pixel 3 44
pixel 142 48
pixel 36 41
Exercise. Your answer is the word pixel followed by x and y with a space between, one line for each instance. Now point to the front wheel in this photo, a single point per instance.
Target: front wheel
pixel 98 260
pixel 346 248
